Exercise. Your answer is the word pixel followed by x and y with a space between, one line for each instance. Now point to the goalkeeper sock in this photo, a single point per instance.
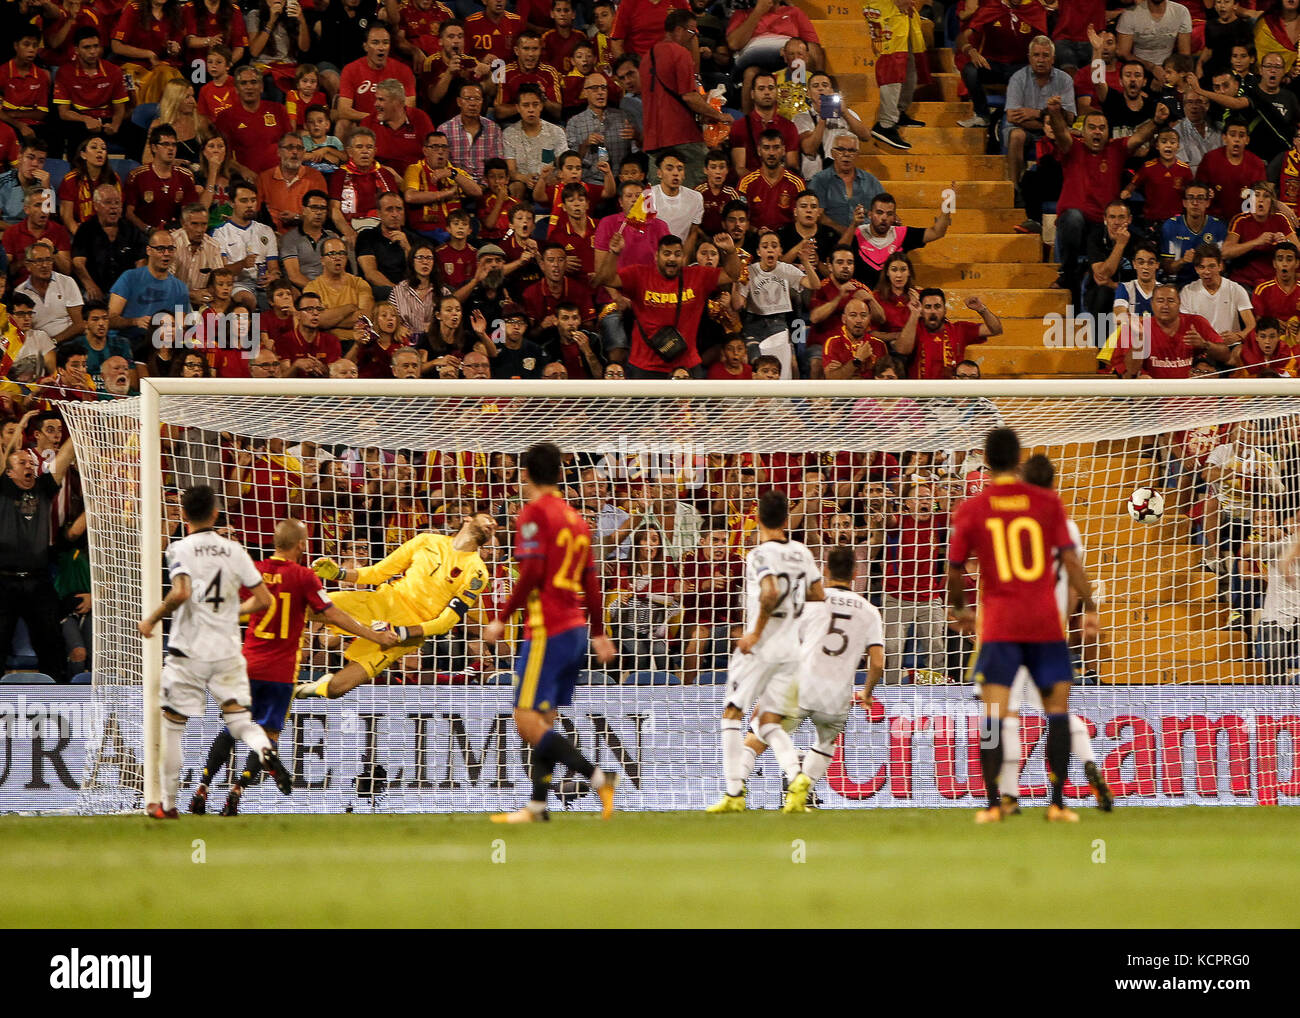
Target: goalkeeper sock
pixel 1058 754
pixel 1080 742
pixel 249 732
pixel 559 749
pixel 991 759
pixel 252 768
pixel 1009 775
pixel 170 760
pixel 218 755
pixel 733 755
pixel 782 748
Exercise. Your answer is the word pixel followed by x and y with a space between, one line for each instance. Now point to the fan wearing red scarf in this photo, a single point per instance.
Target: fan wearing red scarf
pixel 355 186
pixel 935 346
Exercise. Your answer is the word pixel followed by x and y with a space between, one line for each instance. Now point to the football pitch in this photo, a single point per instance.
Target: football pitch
pixel 1184 867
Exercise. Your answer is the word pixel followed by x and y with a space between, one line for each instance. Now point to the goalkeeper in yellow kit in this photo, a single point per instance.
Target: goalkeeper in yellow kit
pixel 423 589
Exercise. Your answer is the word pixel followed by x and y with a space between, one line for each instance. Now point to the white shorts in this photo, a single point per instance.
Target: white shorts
pixel 782 696
pixel 748 677
pixel 185 681
pixel 1024 694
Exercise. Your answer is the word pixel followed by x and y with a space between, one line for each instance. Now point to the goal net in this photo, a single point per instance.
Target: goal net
pixel 1189 694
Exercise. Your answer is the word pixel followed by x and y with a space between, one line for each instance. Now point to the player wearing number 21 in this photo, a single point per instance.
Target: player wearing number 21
pixel 424 588
pixel 780 576
pixel 1015 531
pixel 272 647
pixel 558 584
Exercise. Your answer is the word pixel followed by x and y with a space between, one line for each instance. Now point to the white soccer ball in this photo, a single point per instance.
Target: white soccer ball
pixel 1146 505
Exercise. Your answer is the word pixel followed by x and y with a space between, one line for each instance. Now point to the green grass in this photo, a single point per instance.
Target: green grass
pixel 1185 867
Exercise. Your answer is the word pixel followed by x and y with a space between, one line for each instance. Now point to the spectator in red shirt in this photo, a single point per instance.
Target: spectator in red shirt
pixel 1092 166
pixel 417 29
pixel 671 101
pixel 1085 89
pixel 155 193
pixel 771 190
pixel 527 68
pixel 558 43
pixel 149 37
pixel 914 586
pixel 543 298
pixel 934 345
pixel 1173 341
pixel 733 366
pixel 828 302
pixel 254 125
pixel 490 34
pixel 307 350
pixel 746 132
pixel 355 186
pixel 1254 236
pixel 1230 170
pixel 24 87
pixel 36 226
pixel 89 93
pixel 1161 181
pixel 638 26
pixel 209 23
pixel 576 231
pixel 851 352
pixel 400 130
pixel 360 79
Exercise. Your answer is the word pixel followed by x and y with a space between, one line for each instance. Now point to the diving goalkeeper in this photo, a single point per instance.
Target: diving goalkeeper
pixel 424 589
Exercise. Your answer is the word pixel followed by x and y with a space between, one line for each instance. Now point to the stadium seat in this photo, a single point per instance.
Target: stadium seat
pixel 596 679
pixel 142 116
pixel 123 166
pixel 712 679
pixel 58 169
pixel 26 679
pixel 82 679
pixel 653 679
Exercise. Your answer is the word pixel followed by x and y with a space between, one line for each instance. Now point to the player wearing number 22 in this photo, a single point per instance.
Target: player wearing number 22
pixel 272 648
pixel 556 575
pixel 1016 531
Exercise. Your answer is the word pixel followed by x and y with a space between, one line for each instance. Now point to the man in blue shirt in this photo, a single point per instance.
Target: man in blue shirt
pixel 842 188
pixel 141 294
pixel 1182 235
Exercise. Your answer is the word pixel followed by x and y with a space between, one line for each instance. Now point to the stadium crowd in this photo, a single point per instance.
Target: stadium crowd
pixel 649 189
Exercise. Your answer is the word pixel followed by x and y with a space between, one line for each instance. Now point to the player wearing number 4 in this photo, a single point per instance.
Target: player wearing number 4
pixel 559 584
pixel 272 645
pixel 426 587
pixel 1014 530
pixel 203 656
pixel 780 575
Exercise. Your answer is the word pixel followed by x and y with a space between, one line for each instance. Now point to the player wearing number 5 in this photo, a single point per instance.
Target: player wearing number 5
pixel 1016 531
pixel 272 647
pixel 561 589
pixel 424 588
pixel 780 575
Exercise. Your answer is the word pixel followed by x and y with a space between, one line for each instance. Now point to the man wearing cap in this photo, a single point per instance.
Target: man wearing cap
pixel 517 357
pixel 487 291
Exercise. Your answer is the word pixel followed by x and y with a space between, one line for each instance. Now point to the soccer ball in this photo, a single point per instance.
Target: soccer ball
pixel 1146 505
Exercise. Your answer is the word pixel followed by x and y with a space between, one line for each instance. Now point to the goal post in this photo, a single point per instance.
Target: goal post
pixel 1188 693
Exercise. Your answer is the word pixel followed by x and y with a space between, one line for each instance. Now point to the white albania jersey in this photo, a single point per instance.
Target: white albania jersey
pixel 795 570
pixel 206 627
pixel 1062 578
pixel 836 634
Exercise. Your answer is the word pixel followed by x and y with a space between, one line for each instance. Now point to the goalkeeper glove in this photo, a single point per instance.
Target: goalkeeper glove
pixel 326 569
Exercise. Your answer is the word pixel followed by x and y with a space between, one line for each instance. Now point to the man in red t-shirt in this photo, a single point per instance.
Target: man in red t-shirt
pixel 89 93
pixel 914 586
pixel 24 87
pixel 400 131
pixel 490 34
pixel 272 652
pixel 771 190
pixel 254 126
pixel 155 193
pixel 666 295
pixel 935 346
pixel 1279 297
pixel 1174 340
pixel 850 351
pixel 671 101
pixel 746 131
pixel 308 351
pixel 1231 170
pixel 359 79
pixel 1092 166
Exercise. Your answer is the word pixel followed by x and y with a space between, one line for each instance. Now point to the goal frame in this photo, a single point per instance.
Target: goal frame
pixel 153 389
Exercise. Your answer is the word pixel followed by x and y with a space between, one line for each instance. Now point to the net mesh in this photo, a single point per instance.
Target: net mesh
pixel 669 486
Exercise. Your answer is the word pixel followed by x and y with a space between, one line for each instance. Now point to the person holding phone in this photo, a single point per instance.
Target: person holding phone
pixel 827 116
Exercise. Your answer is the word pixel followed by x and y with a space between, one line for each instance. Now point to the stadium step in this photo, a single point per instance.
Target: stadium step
pixel 1018 361
pixel 965 248
pixel 1164 587
pixel 938 141
pixel 978 221
pixel 906 166
pixel 1144 644
pixel 991 274
pixel 1010 303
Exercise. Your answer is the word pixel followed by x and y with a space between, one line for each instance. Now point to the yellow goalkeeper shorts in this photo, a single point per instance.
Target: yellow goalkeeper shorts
pixel 367 606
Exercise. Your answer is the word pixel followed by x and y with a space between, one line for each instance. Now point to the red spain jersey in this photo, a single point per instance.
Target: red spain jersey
pixel 1162 186
pixel 1271 301
pixel 840 346
pixel 415 21
pixel 554 532
pixel 936 354
pixel 544 76
pixel 271 491
pixel 557 49
pixel 771 205
pixel 488 39
pixel 1170 355
pixel 273 638
pixel 215 99
pixel 1014 531
pixel 93 93
pixel 25 94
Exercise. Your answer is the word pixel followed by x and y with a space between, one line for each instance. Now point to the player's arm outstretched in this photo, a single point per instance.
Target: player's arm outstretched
pixel 339 619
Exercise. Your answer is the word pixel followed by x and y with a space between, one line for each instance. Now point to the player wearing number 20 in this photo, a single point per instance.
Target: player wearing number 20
pixel 780 575
pixel 1016 531
pixel 272 648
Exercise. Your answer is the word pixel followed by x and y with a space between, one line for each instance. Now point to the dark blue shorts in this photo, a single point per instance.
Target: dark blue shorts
pixel 1047 663
pixel 271 703
pixel 547 669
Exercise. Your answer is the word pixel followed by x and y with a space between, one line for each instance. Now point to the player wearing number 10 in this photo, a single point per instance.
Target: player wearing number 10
pixel 1015 531
pixel 556 574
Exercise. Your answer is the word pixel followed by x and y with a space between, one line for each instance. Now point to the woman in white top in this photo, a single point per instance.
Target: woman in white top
pixel 767 296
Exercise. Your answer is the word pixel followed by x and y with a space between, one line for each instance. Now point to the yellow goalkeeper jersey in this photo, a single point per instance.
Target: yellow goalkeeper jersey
pixel 429 573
